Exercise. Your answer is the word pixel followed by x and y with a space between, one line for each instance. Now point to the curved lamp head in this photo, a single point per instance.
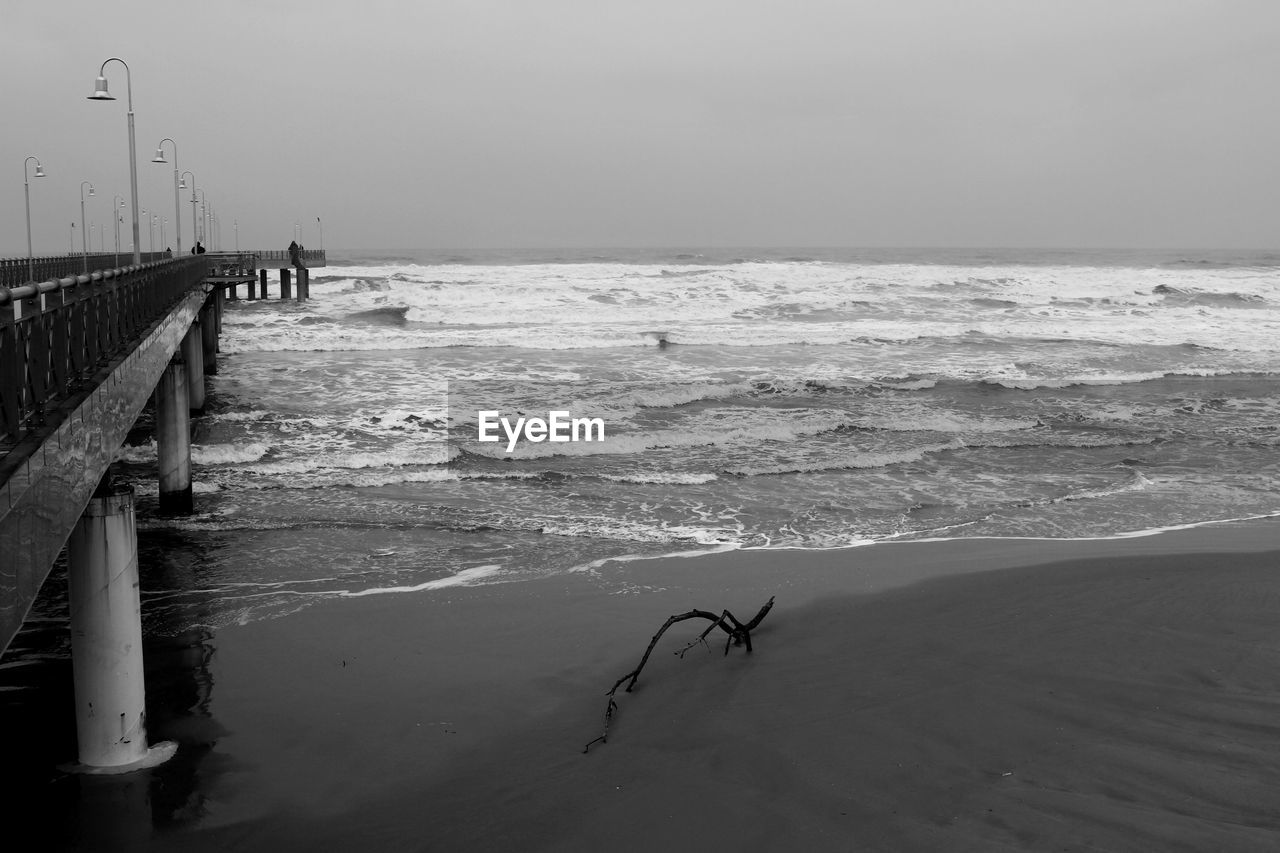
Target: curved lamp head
pixel 90 190
pixel 39 171
pixel 182 183
pixel 100 92
pixel 159 158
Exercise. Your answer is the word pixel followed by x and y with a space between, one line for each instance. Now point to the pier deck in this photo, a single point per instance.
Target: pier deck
pixel 80 355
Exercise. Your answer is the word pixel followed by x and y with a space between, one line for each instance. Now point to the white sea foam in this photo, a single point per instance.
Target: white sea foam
pixel 567 306
pixel 227 454
pixel 652 477
pixel 466 577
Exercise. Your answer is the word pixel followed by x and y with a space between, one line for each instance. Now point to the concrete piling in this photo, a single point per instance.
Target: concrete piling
pixel 173 440
pixel 106 638
pixel 284 284
pixel 209 339
pixel 193 355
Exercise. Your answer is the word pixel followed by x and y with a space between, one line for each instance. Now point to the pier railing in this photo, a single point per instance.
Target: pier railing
pixel 13 271
pixel 55 335
pixel 231 264
pixel 273 259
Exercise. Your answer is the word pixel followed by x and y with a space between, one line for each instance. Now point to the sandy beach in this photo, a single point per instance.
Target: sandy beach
pixel 966 695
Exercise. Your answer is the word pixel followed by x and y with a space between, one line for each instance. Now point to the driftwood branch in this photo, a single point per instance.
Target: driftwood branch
pixel 738 634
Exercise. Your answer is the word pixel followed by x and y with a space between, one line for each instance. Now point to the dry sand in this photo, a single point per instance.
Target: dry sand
pixel 1014 695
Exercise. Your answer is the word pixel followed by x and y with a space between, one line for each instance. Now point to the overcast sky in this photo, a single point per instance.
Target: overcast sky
pixel 573 123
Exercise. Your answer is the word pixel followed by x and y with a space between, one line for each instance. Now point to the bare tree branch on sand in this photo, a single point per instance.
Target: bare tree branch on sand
pixel 739 634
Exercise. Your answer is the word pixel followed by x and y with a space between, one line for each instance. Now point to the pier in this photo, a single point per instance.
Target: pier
pixel 81 354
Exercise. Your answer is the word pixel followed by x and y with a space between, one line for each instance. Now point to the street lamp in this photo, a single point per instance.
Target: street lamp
pixel 177 213
pixel 115 214
pixel 164 227
pixel 84 249
pixel 320 225
pixel 71 240
pixel 100 93
pixel 235 224
pixel 26 188
pixel 182 184
pixel 150 243
pixel 204 226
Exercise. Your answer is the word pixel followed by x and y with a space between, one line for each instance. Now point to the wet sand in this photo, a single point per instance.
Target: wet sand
pixel 978 695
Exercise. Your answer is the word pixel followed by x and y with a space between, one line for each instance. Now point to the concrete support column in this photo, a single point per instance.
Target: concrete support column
pixel 284 284
pixel 304 284
pixel 232 294
pixel 218 299
pixel 209 338
pixel 262 280
pixel 106 638
pixel 173 440
pixel 251 290
pixel 193 355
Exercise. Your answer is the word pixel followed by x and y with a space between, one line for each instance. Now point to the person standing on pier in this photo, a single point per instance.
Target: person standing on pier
pixel 295 254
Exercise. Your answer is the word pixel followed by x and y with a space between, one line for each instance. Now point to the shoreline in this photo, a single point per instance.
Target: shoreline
pixel 966 695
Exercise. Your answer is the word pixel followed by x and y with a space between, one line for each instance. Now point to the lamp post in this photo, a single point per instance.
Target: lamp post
pixel 71 240
pixel 151 233
pixel 115 214
pixel 151 245
pixel 177 212
pixel 26 188
pixel 182 185
pixel 164 226
pixel 100 93
pixel 235 224
pixel 84 249
pixel 320 225
pixel 204 226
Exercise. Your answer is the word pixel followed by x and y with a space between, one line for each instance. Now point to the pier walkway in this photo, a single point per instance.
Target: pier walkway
pixel 83 347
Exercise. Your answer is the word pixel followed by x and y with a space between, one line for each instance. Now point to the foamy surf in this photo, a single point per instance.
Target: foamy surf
pixel 466 577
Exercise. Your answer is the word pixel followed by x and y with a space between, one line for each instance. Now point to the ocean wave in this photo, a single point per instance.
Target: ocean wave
pixel 872 459
pixel 907 384
pixel 926 421
pixel 1028 383
pixel 1137 484
pixel 228 454
pixel 656 477
pixel 201 454
pixel 353 460
pixel 1195 296
pixel 673 396
pixel 884 459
